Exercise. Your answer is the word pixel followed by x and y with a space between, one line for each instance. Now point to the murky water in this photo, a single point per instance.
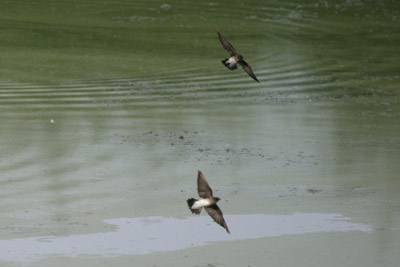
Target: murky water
pixel 108 109
pixel 152 234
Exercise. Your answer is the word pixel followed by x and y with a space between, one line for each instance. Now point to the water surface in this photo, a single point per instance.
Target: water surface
pixel 154 234
pixel 108 109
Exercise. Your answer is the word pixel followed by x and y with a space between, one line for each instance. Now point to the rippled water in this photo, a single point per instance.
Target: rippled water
pixel 108 109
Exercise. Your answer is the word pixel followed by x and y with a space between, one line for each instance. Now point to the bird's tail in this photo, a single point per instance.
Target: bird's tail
pixel 228 65
pixel 190 202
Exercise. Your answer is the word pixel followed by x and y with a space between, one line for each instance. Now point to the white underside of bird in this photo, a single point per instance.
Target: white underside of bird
pixel 232 61
pixel 201 203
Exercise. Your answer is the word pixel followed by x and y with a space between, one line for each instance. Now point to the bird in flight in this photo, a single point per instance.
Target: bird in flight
pixel 208 201
pixel 235 58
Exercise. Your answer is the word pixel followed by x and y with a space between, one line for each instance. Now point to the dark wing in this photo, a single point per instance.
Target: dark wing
pixel 226 45
pixel 248 69
pixel 215 212
pixel 203 188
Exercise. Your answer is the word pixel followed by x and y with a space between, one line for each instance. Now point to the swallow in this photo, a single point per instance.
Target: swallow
pixel 235 58
pixel 208 201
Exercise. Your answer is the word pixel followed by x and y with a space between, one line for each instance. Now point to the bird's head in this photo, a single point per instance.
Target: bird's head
pixel 217 199
pixel 240 57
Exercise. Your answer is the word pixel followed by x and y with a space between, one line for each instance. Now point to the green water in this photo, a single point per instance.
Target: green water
pixel 109 108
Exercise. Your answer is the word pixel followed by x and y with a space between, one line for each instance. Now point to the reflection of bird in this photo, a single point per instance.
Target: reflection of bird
pixel 207 201
pixel 235 58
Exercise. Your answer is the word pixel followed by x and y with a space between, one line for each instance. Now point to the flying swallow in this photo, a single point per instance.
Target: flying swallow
pixel 208 201
pixel 235 58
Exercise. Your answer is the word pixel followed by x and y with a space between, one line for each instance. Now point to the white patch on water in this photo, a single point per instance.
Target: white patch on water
pixel 153 234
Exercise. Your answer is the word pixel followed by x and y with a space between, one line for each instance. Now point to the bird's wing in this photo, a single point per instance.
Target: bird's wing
pixel 215 212
pixel 248 69
pixel 226 45
pixel 203 188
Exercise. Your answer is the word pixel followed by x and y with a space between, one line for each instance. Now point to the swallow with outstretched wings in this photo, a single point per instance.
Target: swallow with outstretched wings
pixel 235 58
pixel 207 201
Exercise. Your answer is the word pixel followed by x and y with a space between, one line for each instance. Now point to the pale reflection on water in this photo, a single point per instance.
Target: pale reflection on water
pixel 153 234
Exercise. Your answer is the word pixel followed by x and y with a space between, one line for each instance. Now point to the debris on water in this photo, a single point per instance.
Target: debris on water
pixel 313 190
